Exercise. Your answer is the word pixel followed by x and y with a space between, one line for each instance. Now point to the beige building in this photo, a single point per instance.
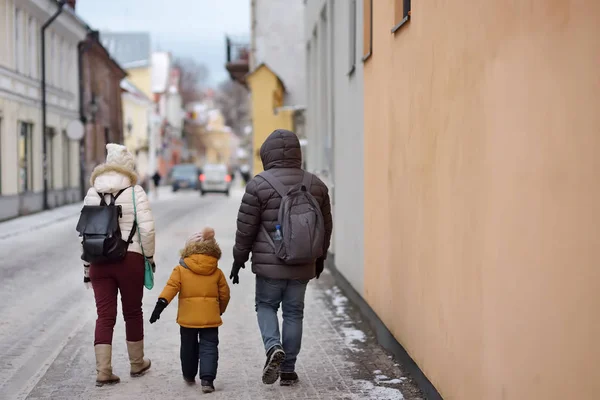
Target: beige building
pixel 21 139
pixel 137 116
pixel 480 211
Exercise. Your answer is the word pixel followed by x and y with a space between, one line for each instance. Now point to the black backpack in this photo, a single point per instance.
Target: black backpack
pixel 99 227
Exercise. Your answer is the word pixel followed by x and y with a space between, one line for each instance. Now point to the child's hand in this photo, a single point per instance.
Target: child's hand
pixel 161 304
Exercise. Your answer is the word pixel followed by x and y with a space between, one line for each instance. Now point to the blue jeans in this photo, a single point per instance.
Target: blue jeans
pixel 270 293
pixel 199 348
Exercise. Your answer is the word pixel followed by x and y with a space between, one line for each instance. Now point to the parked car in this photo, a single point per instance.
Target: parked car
pixel 184 176
pixel 215 178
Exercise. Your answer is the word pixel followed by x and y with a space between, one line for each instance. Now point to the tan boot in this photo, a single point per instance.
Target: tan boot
pixel 139 364
pixel 104 365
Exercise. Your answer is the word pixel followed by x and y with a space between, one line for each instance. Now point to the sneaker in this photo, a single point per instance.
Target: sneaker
pixel 275 357
pixel 189 381
pixel 207 386
pixel 288 378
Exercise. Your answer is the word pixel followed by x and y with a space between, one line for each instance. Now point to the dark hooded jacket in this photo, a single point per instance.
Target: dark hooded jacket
pixel 281 155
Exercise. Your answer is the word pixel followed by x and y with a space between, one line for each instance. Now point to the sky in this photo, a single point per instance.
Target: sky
pixel 186 28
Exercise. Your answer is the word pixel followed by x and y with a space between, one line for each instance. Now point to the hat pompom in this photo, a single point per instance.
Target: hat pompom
pixel 208 233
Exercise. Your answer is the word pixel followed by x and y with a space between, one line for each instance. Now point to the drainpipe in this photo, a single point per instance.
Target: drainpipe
pixel 61 4
pixel 82 47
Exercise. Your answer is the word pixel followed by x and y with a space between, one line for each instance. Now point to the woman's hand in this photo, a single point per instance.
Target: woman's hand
pixel 87 282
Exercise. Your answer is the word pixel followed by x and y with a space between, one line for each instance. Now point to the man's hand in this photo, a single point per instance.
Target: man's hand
pixel 235 271
pixel 161 304
pixel 320 266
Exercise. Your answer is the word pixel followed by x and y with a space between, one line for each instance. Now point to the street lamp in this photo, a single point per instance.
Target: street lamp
pixel 93 109
pixel 129 126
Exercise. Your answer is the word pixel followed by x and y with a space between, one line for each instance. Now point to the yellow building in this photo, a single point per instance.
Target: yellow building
pixel 137 110
pixel 267 94
pixel 141 78
pixel 481 192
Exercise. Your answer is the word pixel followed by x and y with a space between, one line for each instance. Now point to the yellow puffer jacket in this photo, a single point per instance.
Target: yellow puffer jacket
pixel 202 287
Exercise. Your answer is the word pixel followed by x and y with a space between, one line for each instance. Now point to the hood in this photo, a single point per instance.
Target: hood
pixel 202 257
pixel 200 264
pixel 281 150
pixel 112 178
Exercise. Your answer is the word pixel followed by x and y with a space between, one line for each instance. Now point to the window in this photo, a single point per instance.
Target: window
pixel 25 148
pixel 401 13
pixel 66 156
pixel 50 134
pixel 18 38
pixel 61 58
pixel 367 29
pixel 32 48
pixel 50 66
pixel 352 48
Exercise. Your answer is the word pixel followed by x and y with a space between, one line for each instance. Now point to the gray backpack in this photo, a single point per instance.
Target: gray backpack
pixel 301 234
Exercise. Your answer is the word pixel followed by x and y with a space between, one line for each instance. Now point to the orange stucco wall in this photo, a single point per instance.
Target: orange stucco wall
pixel 482 194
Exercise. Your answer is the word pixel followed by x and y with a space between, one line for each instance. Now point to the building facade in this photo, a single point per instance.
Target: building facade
pixel 101 101
pixel 278 100
pixel 21 138
pixel 479 146
pixel 334 128
pixel 137 114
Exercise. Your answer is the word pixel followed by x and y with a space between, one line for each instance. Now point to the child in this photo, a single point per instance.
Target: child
pixel 203 297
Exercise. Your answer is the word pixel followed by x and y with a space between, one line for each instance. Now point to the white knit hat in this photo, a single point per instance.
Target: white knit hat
pixel 119 155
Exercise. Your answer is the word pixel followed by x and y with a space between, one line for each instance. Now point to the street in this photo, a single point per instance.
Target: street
pixel 47 320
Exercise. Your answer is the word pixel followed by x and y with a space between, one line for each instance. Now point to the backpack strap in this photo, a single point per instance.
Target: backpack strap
pixel 113 198
pixel 274 182
pixel 307 181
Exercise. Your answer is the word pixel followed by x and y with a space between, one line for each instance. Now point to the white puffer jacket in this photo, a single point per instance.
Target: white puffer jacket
pixel 111 179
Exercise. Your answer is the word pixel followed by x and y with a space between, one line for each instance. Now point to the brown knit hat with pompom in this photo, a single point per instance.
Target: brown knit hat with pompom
pixel 202 242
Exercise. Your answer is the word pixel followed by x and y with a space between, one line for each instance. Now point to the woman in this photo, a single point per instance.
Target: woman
pixel 125 276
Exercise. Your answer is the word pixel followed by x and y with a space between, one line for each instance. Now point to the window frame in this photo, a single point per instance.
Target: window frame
pixel 66 156
pixel 50 156
pixel 367 29
pixel 25 130
pixel 18 32
pixel 402 11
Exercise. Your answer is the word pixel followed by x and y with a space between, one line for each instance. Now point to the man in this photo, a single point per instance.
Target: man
pixel 276 282
pixel 156 178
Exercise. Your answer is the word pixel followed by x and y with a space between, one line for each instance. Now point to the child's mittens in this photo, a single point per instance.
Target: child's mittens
pixel 161 304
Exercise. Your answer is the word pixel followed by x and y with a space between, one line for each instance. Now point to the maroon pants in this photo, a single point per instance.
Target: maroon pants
pixel 126 277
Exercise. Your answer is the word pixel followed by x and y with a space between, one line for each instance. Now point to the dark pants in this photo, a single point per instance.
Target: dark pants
pixel 200 344
pixel 126 277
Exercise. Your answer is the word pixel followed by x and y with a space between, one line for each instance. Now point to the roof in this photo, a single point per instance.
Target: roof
pixel 264 65
pixel 131 50
pixel 129 87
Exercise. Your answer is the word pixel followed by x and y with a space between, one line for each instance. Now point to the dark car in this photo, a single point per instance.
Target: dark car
pixel 184 176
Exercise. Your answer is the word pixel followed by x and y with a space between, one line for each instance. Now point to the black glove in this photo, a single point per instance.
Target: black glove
pixel 320 266
pixel 161 304
pixel 235 270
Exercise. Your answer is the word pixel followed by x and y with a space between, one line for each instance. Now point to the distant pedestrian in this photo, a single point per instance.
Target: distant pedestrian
pixel 283 265
pixel 203 298
pixel 245 172
pixel 156 179
pixel 110 272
